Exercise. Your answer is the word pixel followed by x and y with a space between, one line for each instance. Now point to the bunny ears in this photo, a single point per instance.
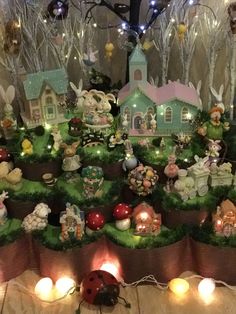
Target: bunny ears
pixel 79 92
pixel 218 97
pixel 7 95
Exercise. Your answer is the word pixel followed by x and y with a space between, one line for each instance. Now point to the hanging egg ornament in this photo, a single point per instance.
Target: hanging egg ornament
pixel 109 47
pixel 181 30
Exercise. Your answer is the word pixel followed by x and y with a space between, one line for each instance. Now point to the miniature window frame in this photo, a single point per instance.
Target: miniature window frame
pixel 184 115
pixel 168 115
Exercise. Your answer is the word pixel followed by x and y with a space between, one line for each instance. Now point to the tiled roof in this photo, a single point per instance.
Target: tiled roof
pixel 56 79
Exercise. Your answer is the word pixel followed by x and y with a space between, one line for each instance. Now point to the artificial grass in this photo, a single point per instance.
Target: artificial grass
pixel 129 240
pixel 205 234
pixel 172 201
pixel 50 238
pixel 10 231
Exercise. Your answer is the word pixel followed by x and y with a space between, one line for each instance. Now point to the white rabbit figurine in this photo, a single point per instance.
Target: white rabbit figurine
pixel 198 90
pixel 79 93
pixel 57 138
pixel 125 121
pixel 153 123
pixel 9 122
pixel 219 97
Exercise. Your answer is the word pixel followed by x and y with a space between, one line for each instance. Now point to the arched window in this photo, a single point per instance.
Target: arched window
pixel 168 115
pixel 184 115
pixel 137 75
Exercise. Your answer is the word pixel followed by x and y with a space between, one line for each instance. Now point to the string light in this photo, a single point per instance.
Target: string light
pixel 206 287
pixel 179 286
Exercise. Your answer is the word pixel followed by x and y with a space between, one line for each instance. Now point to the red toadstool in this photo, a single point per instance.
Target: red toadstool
pixel 122 213
pixel 94 221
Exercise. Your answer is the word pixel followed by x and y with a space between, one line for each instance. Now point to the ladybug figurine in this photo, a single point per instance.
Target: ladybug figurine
pixel 100 288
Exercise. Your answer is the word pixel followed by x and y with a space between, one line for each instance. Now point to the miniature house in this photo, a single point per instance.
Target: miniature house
pixel 44 91
pixel 225 219
pixel 147 222
pixel 148 110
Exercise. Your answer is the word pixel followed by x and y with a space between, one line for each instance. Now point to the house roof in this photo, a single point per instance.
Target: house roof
pixel 137 56
pixel 176 90
pixel 56 79
pixel 146 88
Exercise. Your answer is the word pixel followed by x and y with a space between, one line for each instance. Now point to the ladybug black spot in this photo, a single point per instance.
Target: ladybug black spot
pixel 91 279
pixel 89 291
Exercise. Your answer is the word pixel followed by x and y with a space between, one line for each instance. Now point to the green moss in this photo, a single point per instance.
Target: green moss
pixel 206 234
pixel 50 238
pixel 129 240
pixel 173 201
pixel 10 231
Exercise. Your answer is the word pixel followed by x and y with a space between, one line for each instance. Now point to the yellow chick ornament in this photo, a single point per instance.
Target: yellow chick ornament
pixel 181 30
pixel 27 147
pixel 109 47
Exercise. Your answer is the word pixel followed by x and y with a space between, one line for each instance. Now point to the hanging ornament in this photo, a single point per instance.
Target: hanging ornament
pixel 232 16
pixel 147 44
pixel 90 58
pixel 12 40
pixel 109 47
pixel 121 8
pixel 58 9
pixel 128 39
pixel 181 30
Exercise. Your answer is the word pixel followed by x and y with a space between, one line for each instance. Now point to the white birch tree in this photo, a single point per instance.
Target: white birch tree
pixel 163 41
pixel 213 33
pixel 187 43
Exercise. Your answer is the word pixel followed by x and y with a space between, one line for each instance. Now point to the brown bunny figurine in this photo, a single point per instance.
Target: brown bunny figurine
pixel 71 161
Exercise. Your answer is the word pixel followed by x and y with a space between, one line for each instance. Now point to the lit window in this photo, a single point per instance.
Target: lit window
pixel 184 114
pixel 168 115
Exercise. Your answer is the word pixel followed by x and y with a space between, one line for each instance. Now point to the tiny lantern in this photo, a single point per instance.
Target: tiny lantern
pixel 146 220
pixel 122 213
pixel 75 126
pixel 94 221
pixel 72 223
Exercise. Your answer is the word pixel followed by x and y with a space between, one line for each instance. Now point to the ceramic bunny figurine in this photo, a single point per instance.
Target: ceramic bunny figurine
pixel 125 122
pixel 57 138
pixel 71 161
pixel 9 122
pixel 198 89
pixel 79 93
pixel 219 97
pixel 153 123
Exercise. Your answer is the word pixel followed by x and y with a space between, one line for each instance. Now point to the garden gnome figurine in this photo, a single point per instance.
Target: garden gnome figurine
pixel 214 128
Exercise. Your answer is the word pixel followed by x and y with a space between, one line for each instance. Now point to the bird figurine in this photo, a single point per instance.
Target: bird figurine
pixel 181 30
pixel 109 47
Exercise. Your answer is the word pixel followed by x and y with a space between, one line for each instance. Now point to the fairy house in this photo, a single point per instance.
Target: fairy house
pixel 44 91
pixel 147 110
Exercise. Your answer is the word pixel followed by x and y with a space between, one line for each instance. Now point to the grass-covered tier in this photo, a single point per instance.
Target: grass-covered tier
pixel 14 250
pixel 50 238
pixel 10 231
pixel 194 211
